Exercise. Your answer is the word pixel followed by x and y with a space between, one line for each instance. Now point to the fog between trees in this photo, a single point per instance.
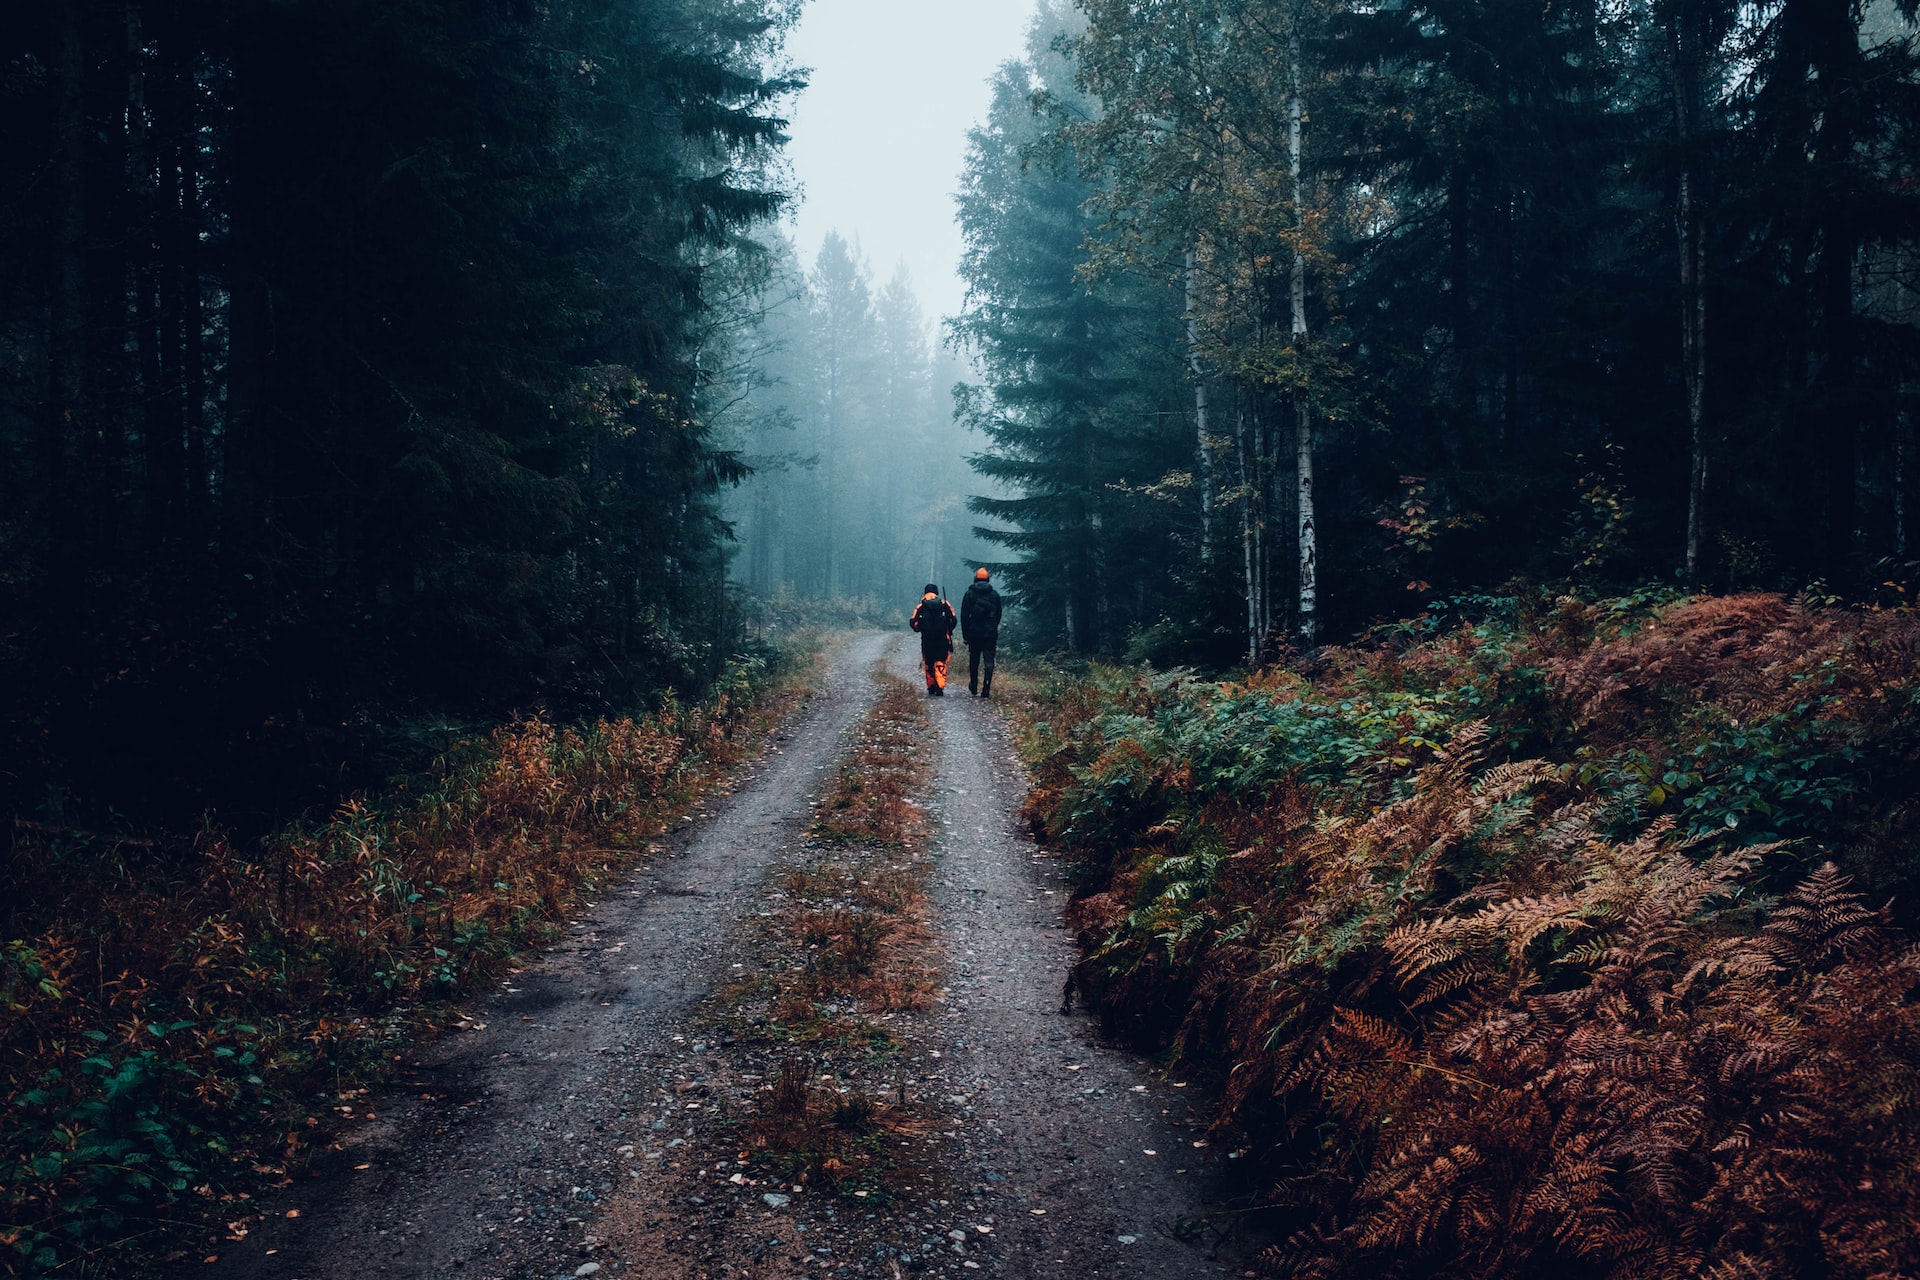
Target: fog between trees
pixel 456 365
pixel 839 402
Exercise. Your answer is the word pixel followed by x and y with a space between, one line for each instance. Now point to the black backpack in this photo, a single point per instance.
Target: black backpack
pixel 980 613
pixel 936 620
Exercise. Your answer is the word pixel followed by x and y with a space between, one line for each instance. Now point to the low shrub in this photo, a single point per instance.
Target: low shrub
pixel 169 1016
pixel 1534 943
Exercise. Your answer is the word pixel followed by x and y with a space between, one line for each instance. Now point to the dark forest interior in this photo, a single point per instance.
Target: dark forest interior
pixel 397 384
pixel 414 415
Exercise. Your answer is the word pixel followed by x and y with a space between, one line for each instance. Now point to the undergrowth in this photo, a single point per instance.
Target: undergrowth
pixel 1570 939
pixel 168 1019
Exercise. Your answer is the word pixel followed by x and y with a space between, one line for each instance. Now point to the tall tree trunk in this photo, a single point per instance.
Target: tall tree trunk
pixel 1902 425
pixel 155 311
pixel 1840 347
pixel 1198 372
pixel 114 193
pixel 245 444
pixel 1248 565
pixel 830 510
pixel 1308 540
pixel 1684 51
pixel 192 364
pixel 1098 606
pixel 1264 526
pixel 1309 546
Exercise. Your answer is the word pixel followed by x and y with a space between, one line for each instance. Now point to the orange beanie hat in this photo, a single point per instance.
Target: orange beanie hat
pixel 981 573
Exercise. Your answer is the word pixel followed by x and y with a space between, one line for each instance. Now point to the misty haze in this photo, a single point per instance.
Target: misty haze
pixel 751 639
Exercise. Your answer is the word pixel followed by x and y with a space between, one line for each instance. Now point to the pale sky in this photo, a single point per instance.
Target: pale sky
pixel 880 134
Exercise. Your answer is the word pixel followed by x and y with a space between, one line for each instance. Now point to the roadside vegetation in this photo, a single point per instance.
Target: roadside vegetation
pixel 176 1024
pixel 1530 936
pixel 804 1065
pixel 854 932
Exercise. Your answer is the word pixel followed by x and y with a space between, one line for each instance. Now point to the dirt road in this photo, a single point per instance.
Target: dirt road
pixel 1115 1156
pixel 502 1152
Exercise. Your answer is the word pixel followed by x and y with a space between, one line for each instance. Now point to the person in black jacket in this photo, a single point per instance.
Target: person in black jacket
pixel 934 620
pixel 980 628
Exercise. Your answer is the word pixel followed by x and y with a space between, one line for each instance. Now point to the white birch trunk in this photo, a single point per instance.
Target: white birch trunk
pixel 1204 454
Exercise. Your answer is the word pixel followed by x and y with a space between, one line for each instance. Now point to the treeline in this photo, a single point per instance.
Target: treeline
pixel 1293 315
pixel 839 403
pixel 352 372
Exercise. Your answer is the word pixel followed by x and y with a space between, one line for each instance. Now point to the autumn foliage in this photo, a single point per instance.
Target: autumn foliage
pixel 1568 940
pixel 171 1020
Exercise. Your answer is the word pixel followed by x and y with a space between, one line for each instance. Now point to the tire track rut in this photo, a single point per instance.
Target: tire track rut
pixel 518 1133
pixel 495 1162
pixel 1113 1158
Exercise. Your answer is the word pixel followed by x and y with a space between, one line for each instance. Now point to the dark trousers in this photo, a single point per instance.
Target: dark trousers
pixel 976 655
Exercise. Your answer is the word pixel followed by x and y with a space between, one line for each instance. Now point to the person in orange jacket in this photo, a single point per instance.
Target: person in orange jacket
pixel 934 620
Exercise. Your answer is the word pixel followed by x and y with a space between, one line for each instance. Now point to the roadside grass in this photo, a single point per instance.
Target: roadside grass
pixel 854 919
pixel 176 1024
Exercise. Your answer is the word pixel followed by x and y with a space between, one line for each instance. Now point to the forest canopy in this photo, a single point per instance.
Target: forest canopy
pixel 1294 316
pixel 351 372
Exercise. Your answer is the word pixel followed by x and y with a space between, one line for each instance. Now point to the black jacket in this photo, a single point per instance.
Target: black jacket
pixel 934 621
pixel 980 614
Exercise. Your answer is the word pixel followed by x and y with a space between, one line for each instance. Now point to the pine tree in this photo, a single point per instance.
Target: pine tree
pixel 360 346
pixel 1082 378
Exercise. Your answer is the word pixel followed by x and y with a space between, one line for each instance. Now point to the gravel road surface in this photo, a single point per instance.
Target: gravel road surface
pixel 476 1167
pixel 495 1159
pixel 1114 1156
